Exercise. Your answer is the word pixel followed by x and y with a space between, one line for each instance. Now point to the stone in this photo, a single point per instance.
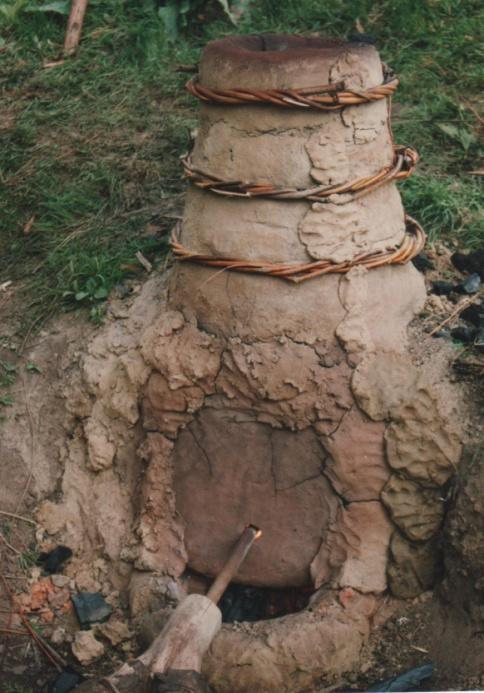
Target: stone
pixel 59 636
pixel 85 648
pixel 115 631
pixel 413 568
pixel 59 580
pixel 59 598
pixel 417 511
pixel 91 608
pixel 470 285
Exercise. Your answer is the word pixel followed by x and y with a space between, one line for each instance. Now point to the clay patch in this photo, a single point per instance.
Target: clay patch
pixel 342 228
pixel 355 552
pixel 417 511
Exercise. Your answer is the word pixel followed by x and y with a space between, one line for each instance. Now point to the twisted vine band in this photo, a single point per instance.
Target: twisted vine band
pixel 322 97
pixel 411 246
pixel 403 165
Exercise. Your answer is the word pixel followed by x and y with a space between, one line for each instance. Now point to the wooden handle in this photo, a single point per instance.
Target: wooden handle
pixel 236 558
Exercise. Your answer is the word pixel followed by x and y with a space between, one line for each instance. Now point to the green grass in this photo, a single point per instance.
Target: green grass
pixel 90 148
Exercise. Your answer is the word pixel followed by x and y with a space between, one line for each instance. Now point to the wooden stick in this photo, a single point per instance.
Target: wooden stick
pixel 454 314
pixel 74 26
pixel 240 551
pixel 18 517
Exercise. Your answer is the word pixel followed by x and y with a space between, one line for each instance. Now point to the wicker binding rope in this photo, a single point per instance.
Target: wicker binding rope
pixel 411 246
pixel 404 161
pixel 323 97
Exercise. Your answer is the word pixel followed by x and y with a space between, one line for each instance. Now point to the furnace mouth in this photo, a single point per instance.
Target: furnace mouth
pixel 279 48
pixel 251 603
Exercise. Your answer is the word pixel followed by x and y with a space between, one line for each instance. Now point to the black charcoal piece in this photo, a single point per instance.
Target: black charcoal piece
pixel 473 314
pixel 463 333
pixel 422 262
pixel 66 681
pixel 442 288
pixel 53 560
pixel 470 262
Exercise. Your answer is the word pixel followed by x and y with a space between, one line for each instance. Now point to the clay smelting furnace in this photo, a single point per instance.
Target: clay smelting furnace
pixel 274 382
pixel 281 387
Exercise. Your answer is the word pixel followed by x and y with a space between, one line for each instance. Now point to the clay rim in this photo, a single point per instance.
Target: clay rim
pixel 279 49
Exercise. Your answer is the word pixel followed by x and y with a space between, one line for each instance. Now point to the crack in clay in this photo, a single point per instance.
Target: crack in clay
pixel 202 450
pixel 343 416
pixel 318 475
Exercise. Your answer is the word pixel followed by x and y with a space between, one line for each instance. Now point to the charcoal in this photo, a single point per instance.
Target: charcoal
pixel 66 681
pixel 473 314
pixel 463 333
pixel 423 263
pixel 52 561
pixel 442 288
pixel 470 262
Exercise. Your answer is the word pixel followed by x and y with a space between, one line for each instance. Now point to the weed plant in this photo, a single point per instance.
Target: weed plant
pixel 89 170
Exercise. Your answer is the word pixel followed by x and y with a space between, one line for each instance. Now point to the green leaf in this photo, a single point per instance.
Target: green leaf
pixel 6 401
pixel 9 367
pixel 461 135
pixel 467 138
pixel 450 130
pixel 59 7
pixel 100 293
pixel 33 367
pixel 81 295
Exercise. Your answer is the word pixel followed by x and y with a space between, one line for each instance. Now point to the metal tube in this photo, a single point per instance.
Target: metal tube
pixel 235 560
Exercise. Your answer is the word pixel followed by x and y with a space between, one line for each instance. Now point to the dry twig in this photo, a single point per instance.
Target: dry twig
pixel 455 313
pixel 74 26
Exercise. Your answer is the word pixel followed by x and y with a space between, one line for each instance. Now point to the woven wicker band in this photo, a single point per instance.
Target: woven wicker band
pixel 404 161
pixel 323 97
pixel 411 246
